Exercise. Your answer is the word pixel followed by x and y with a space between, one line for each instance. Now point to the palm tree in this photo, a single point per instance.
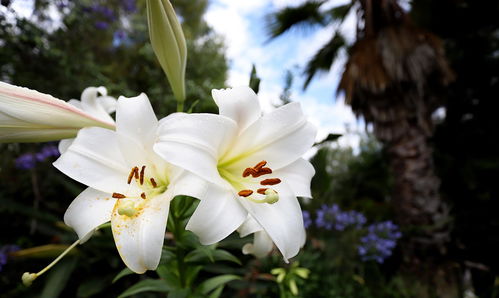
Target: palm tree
pixel 393 78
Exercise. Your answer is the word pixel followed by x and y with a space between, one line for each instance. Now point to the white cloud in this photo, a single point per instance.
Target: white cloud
pixel 242 25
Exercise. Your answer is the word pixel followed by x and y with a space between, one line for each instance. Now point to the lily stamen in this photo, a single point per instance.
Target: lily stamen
pixel 261 191
pixel 142 175
pixel 130 176
pixel 136 172
pixel 117 195
pixel 153 182
pixel 143 195
pixel 270 181
pixel 245 192
pixel 260 165
pixel 28 277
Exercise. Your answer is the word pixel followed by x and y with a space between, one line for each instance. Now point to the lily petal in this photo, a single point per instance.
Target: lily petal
pixel 298 176
pixel 27 115
pixel 280 137
pixel 89 209
pixel 262 245
pixel 217 215
pixel 250 226
pixel 194 142
pixel 239 103
pixel 98 106
pixel 104 169
pixel 139 238
pixel 282 220
pixel 135 119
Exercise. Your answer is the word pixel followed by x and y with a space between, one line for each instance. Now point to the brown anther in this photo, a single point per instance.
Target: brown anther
pixel 117 195
pixel 245 192
pixel 153 182
pixel 249 171
pixel 260 165
pixel 261 191
pixel 270 181
pixel 136 172
pixel 130 176
pixel 142 175
pixel 263 171
pixel 143 195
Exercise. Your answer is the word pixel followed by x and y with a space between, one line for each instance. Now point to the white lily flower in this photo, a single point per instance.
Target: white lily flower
pixel 128 184
pixel 254 165
pixel 98 106
pixel 30 116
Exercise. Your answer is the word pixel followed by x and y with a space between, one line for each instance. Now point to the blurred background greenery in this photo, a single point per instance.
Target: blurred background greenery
pixel 434 177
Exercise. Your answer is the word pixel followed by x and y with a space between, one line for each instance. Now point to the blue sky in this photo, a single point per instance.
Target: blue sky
pixel 242 23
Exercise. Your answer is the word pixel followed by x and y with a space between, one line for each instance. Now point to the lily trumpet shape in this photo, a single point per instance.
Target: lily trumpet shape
pixel 128 184
pixel 30 116
pixel 93 104
pixel 254 167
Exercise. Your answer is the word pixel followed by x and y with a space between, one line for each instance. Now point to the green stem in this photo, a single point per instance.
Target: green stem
pixel 179 251
pixel 180 106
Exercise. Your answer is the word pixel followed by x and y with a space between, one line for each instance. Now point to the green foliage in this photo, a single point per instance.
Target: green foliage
pixel 254 81
pixel 359 181
pixel 304 15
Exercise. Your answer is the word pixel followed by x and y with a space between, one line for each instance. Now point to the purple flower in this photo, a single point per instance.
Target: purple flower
pixel 307 220
pixel 379 242
pixel 4 253
pixel 26 161
pixel 101 25
pixel 331 217
pixel 129 6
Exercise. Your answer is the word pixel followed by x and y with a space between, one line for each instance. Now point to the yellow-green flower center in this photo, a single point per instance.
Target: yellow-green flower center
pixel 247 176
pixel 129 205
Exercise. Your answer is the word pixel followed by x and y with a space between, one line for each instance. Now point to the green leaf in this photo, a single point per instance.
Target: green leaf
pixel 254 82
pixel 306 14
pixel 169 274
pixel 330 138
pixel 148 285
pixel 92 286
pixel 217 292
pixel 193 105
pixel 191 274
pixel 201 253
pixel 58 277
pixel 223 255
pixel 122 273
pixel 324 58
pixel 214 282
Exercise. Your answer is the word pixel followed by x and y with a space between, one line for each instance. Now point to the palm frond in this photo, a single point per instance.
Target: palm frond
pixel 339 13
pixel 306 14
pixel 324 58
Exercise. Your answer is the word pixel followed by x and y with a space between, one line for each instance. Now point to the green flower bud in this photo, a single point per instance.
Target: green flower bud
pixel 168 42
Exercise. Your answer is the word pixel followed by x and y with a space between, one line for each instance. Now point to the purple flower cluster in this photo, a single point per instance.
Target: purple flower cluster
pixel 28 160
pixel 307 219
pixel 4 253
pixel 107 15
pixel 379 242
pixel 333 218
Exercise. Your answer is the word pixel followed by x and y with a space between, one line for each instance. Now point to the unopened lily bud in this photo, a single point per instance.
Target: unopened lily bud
pixel 168 43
